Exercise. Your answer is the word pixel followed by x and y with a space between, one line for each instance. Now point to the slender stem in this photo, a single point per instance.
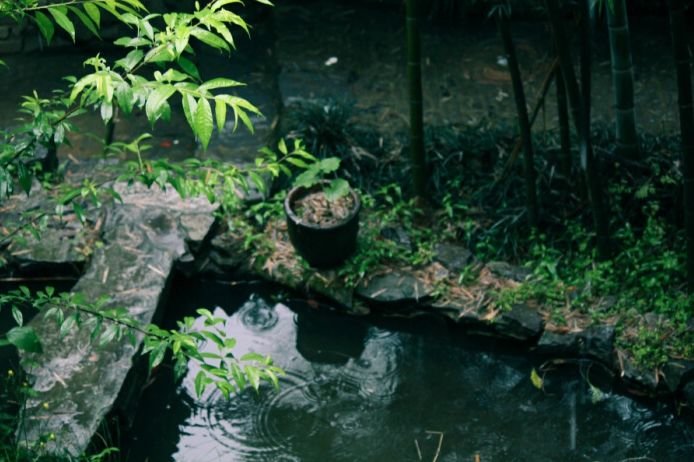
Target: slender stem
pixel 61 4
pixel 564 129
pixel 414 78
pixel 678 29
pixel 523 119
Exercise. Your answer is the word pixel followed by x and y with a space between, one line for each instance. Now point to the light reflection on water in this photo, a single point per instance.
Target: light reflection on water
pixel 358 391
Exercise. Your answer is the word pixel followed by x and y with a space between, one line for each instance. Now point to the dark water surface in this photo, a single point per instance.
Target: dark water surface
pixel 381 390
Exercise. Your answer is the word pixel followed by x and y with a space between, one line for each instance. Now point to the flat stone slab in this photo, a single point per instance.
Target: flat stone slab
pixel 64 242
pixel 77 381
pixel 393 287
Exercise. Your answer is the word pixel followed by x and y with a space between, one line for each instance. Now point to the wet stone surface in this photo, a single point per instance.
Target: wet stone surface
pixel 677 372
pixel 633 374
pixel 520 323
pixel 595 341
pixel 393 287
pixel 509 271
pixel 78 381
pixel 688 393
pixel 454 257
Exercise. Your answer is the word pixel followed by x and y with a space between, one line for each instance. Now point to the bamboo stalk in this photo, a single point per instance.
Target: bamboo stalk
pixel 622 79
pixel 678 30
pixel 561 44
pixel 564 129
pixel 600 220
pixel 544 88
pixel 523 119
pixel 414 79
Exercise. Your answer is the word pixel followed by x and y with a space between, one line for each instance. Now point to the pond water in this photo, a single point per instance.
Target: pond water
pixel 388 390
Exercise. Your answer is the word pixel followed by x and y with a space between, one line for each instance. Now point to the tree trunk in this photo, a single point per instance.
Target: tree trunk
pixel 678 30
pixel 622 79
pixel 414 79
pixel 588 162
pixel 523 121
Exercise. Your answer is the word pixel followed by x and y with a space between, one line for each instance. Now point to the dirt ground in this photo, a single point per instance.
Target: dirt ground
pixel 355 53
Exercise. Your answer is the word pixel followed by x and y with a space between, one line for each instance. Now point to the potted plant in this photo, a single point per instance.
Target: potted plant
pixel 322 215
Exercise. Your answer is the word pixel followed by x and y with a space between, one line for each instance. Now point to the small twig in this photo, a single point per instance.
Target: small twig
pixel 43 279
pixel 419 452
pixel 438 448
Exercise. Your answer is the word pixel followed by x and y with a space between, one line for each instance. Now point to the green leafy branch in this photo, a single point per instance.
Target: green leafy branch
pixel 120 86
pixel 106 324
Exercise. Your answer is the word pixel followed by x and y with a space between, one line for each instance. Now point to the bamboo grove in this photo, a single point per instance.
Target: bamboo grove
pixel 574 103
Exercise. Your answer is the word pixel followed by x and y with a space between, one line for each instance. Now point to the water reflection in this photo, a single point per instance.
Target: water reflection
pixel 358 391
pixel 327 338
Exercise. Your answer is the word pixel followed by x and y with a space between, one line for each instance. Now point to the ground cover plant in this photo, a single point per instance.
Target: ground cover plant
pixel 156 65
pixel 642 288
pixel 602 227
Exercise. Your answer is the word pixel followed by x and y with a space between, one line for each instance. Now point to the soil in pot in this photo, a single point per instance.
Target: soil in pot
pixel 315 209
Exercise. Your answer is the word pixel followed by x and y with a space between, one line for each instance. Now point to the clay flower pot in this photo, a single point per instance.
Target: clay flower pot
pixel 322 245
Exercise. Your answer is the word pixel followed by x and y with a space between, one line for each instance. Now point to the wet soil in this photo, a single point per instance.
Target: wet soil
pixel 355 52
pixel 315 209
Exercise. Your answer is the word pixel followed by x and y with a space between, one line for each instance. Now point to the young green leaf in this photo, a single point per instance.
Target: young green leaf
pixel 88 23
pixel 93 13
pixel 203 124
pixel 201 381
pixel 17 315
pixel 536 379
pixel 329 165
pixel 336 189
pixel 210 39
pixel 25 339
pixel 60 16
pixel 220 110
pixel 156 101
pixel 45 26
pixel 189 67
